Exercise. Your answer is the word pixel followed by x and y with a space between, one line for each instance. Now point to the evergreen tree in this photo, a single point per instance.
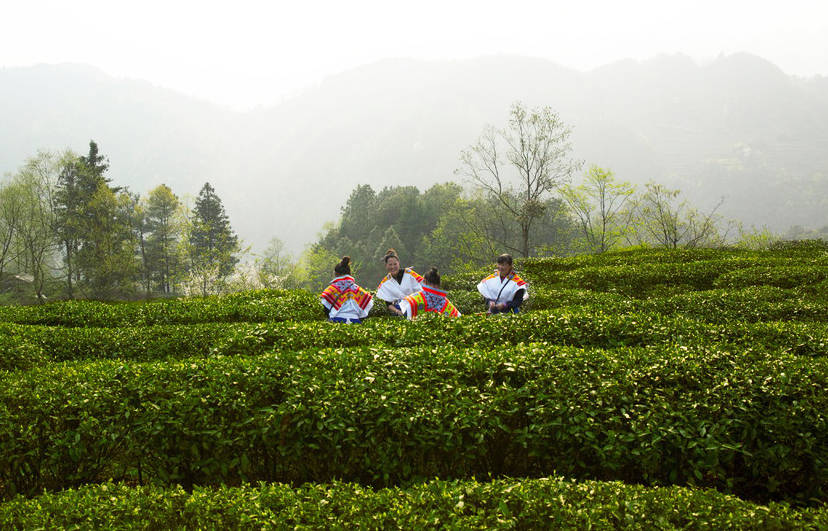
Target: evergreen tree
pixel 212 242
pixel 96 165
pixel 163 233
pixel 390 240
pixel 93 227
pixel 68 217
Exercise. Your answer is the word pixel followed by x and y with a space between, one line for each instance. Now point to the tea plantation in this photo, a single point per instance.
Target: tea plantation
pixel 640 389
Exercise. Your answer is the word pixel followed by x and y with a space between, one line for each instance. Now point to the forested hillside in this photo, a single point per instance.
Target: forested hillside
pixel 737 128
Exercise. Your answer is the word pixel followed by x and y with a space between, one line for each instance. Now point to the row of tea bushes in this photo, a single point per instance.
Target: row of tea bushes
pixel 790 276
pixel 252 306
pixel 763 303
pixel 545 503
pixel 24 346
pixel 751 424
pixel 643 280
pixel 659 279
pixel 633 257
pixel 750 304
pixel 583 328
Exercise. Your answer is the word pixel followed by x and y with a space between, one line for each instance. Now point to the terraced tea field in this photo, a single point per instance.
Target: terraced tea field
pixel 648 389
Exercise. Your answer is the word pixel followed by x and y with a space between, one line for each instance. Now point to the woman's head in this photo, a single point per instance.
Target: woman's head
pixel 343 267
pixel 432 277
pixel 504 264
pixel 392 262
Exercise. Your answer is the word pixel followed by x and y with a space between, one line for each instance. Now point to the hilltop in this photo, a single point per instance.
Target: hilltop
pixel 737 128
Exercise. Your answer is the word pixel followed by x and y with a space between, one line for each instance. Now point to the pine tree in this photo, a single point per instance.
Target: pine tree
pixel 93 228
pixel 212 242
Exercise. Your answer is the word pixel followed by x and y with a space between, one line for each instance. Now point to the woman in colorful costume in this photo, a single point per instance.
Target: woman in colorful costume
pixel 398 283
pixel 503 290
pixel 430 299
pixel 343 299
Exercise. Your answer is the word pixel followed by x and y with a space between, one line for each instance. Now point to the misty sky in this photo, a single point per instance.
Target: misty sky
pixel 247 53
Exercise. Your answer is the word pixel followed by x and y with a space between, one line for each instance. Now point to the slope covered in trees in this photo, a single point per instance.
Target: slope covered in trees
pixel 736 127
pixel 67 228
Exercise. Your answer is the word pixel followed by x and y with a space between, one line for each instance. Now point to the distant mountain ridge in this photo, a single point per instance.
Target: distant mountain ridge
pixel 737 128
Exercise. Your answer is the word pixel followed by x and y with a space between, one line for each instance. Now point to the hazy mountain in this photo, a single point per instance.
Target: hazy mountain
pixel 737 127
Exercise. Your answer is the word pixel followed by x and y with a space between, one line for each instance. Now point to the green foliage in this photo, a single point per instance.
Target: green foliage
pixel 276 268
pixel 598 204
pixel 660 415
pixel 571 318
pixel 543 503
pixel 660 217
pixel 461 239
pixel 251 306
pixel 212 243
pixel 28 243
pixel 163 223
pixel 317 268
pixel 61 221
pixel 397 217
pixel 756 239
pixel 691 367
pixel 106 257
pixel 94 228
pixel 780 276
pixel 638 271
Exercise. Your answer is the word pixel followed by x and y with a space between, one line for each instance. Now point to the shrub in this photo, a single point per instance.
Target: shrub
pixel 256 306
pixel 752 424
pixel 24 346
pixel 780 276
pixel 524 504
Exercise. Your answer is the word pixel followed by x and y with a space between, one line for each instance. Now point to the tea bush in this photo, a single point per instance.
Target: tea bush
pixel 253 306
pixel 699 367
pixel 546 503
pixel 23 346
pixel 781 276
pixel 752 424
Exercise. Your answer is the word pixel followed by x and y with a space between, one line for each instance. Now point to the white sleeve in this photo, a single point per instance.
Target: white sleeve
pixel 405 308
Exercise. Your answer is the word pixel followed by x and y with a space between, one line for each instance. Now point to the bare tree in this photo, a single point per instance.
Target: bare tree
pixel 522 164
pixel 667 221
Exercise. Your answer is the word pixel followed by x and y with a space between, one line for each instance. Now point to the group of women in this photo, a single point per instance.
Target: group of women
pixel 408 294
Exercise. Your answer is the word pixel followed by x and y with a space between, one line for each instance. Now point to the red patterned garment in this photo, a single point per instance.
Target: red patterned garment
pixel 428 300
pixel 343 295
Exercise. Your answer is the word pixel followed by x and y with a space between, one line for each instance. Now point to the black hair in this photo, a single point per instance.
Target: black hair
pixel 504 259
pixel 391 253
pixel 432 277
pixel 343 267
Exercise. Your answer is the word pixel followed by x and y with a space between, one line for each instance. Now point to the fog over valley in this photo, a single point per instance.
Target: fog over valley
pixel 736 129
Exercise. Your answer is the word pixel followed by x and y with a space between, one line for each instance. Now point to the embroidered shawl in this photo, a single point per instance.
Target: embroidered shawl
pixel 341 290
pixel 428 300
